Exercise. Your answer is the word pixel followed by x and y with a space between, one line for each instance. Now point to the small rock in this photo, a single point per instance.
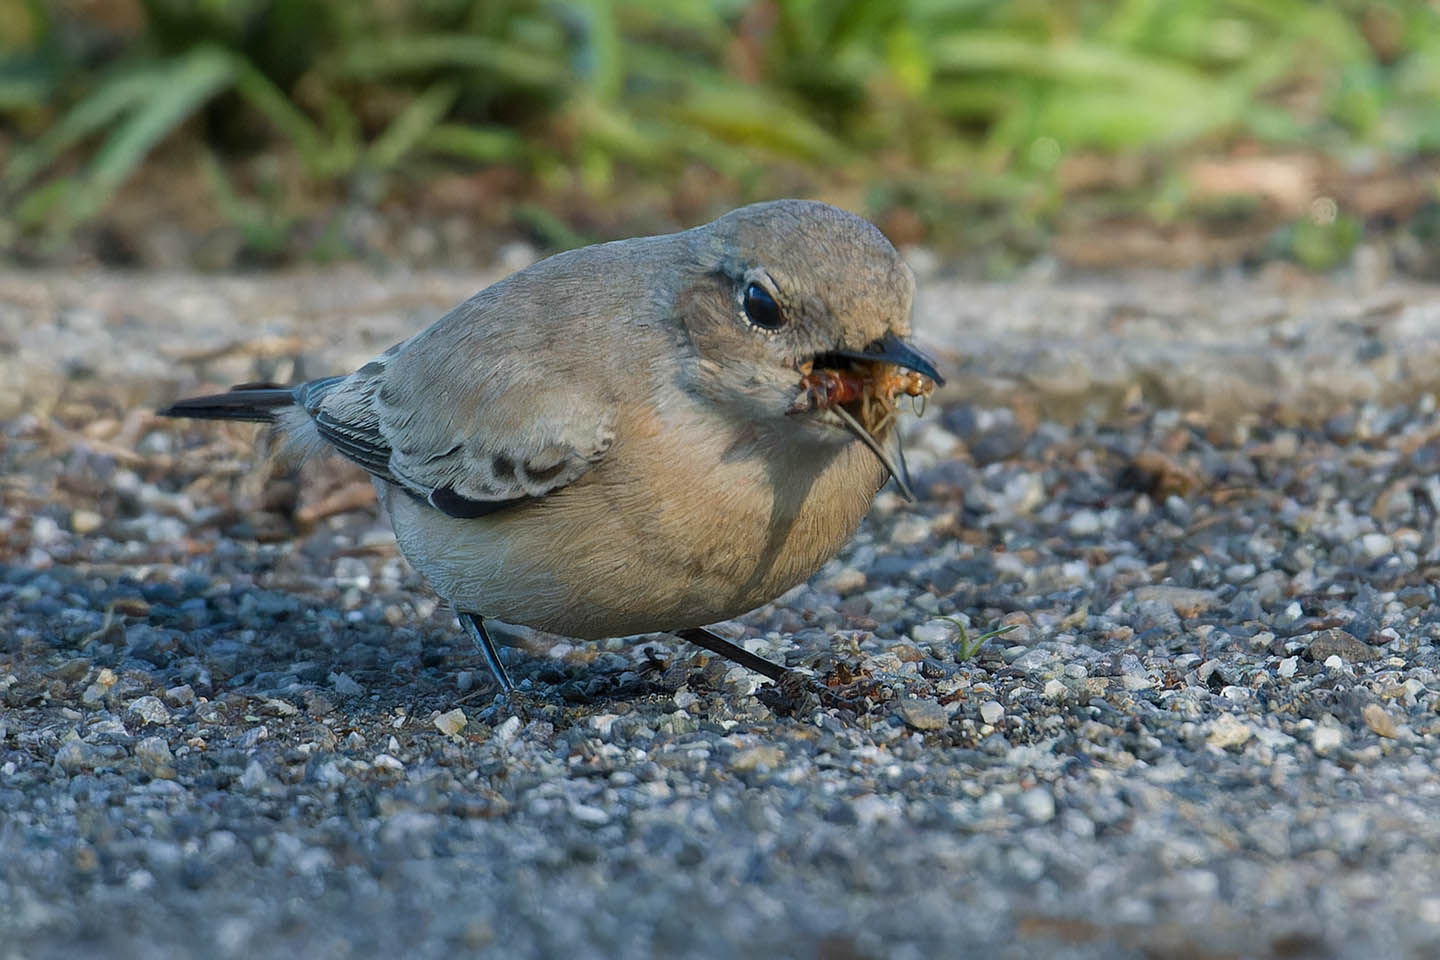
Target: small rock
pixel 1376 545
pixel 345 685
pixel 389 764
pixel 935 633
pixel 923 713
pixel 150 710
pixel 451 723
pixel 1379 721
pixel 1054 690
pixel 507 730
pixel 85 521
pixel 155 758
pixel 752 758
pixel 1160 475
pixel 76 755
pixel 254 776
pixel 1186 601
pixel 180 696
pixel 1037 804
pixel 317 704
pixel 846 580
pixel 1337 643
pixel 1326 739
pixel 1227 732
pixel 991 712
pixel 1287 667
pixel 589 814
pixel 1083 523
pixel 275 707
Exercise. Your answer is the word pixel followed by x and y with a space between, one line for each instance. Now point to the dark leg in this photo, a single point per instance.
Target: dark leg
pixel 791 685
pixel 475 626
pixel 704 638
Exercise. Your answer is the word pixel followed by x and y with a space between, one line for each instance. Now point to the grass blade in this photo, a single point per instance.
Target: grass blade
pixel 112 97
pixel 418 118
pixel 475 144
pixel 171 98
pixel 418 53
pixel 289 119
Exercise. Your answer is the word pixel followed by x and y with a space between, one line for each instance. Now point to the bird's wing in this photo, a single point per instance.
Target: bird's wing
pixel 469 416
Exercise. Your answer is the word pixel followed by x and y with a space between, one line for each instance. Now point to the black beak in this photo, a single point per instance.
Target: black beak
pixel 891 349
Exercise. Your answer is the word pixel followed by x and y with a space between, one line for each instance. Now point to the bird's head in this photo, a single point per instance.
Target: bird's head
pixel 799 315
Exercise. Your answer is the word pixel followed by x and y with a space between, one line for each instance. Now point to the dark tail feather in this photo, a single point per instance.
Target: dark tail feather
pixel 251 402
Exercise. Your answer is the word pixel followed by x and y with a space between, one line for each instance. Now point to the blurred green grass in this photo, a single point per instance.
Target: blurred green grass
pixel 947 117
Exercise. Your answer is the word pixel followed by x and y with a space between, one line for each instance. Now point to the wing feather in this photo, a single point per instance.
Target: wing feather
pixel 465 417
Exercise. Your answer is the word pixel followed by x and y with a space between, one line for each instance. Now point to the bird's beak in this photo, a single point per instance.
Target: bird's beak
pixel 866 381
pixel 891 349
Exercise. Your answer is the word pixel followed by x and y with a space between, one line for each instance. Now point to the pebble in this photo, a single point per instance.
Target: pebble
pixel 1378 719
pixel 451 722
pixel 149 710
pixel 85 521
pixel 757 757
pixel 180 696
pixel 1376 545
pixel 935 633
pixel 1084 523
pixel 1226 732
pixel 1326 739
pixel 76 755
pixel 1037 804
pixel 507 730
pixel 386 763
pixel 991 712
pixel 254 777
pixel 923 713
pixel 155 757
pixel 1338 643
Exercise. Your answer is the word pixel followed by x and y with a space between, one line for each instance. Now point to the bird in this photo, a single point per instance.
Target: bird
pixel 648 435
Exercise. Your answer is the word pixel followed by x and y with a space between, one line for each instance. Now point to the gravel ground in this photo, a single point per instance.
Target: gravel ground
pixel 1204 510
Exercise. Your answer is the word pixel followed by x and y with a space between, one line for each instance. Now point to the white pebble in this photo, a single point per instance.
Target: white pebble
pixel 991 712
pixel 150 710
pixel 1376 545
pixel 507 730
pixel 451 723
pixel 384 761
pixel 1084 523
pixel 1038 805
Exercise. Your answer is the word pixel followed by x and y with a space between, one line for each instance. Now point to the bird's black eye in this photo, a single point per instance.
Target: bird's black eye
pixel 761 308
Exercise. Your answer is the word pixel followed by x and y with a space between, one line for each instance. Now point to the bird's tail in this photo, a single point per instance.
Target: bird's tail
pixel 251 402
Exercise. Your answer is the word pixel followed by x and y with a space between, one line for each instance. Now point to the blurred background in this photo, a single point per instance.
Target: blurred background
pixel 223 134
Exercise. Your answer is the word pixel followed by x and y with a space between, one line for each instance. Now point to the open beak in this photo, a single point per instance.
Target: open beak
pixel 891 349
pixel 859 387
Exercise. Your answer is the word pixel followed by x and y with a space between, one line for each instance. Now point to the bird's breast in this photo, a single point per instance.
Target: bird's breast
pixel 679 526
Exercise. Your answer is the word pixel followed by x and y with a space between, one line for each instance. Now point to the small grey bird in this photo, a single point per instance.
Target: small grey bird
pixel 647 435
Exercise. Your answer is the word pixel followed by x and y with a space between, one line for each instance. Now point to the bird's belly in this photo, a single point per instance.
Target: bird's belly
pixel 606 559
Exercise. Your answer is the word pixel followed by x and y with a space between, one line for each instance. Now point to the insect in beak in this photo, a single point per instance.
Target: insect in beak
pixel 860 388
